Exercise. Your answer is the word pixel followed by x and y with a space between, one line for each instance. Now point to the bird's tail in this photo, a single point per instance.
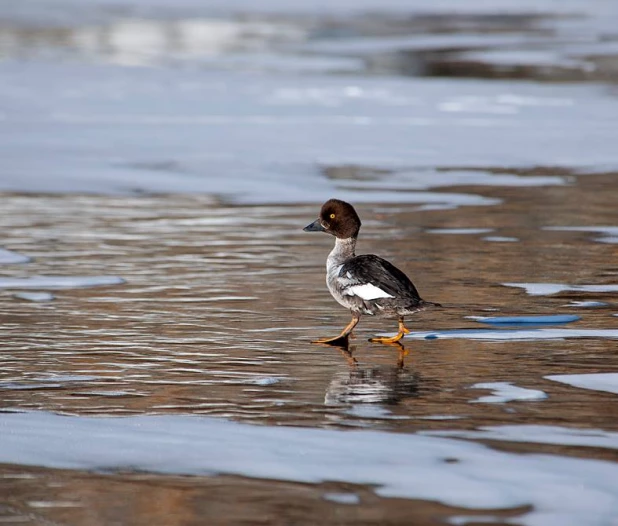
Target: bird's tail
pixel 429 304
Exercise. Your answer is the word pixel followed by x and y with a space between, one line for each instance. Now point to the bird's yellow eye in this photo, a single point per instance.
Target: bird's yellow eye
pixel 332 216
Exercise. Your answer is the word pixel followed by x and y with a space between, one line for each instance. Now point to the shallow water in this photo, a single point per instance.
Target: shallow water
pixel 158 296
pixel 209 310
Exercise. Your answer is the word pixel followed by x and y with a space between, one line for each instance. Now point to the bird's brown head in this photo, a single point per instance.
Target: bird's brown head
pixel 337 218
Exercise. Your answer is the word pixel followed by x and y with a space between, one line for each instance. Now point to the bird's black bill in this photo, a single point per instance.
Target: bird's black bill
pixel 316 226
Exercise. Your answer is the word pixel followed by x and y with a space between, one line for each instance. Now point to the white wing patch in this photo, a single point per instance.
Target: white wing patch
pixel 367 292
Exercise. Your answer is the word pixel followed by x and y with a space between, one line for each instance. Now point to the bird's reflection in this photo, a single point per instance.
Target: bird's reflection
pixel 360 384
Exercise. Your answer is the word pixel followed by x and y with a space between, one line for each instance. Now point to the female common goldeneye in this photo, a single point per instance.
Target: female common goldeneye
pixel 364 284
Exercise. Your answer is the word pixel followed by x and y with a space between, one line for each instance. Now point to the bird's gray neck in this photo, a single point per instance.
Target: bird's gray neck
pixel 343 250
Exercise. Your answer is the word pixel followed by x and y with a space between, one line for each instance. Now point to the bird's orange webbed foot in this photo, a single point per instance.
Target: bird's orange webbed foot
pixel 393 339
pixel 344 337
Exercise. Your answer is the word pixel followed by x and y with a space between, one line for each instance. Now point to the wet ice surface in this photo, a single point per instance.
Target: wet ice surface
pixel 598 381
pixel 609 234
pixel 8 257
pixel 476 475
pixel 506 392
pixel 202 122
pixel 519 321
pixel 588 304
pixel 540 435
pixel 171 309
pixel 270 139
pixel 547 289
pixel 195 329
pixel 58 282
pixel 516 334
pixel 34 296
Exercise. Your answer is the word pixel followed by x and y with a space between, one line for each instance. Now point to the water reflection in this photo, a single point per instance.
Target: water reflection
pixel 383 384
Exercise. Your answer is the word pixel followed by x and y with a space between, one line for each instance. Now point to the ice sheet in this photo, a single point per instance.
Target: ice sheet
pixel 34 296
pixel 596 381
pixel 516 334
pixel 609 234
pixel 507 392
pixel 59 282
pixel 519 321
pixel 561 490
pixel 547 289
pixel 9 257
pixel 598 7
pixel 537 434
pixel 249 137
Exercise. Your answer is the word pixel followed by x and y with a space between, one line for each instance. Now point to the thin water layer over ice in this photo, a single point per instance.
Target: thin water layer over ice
pixel 459 231
pixel 547 289
pixel 34 296
pixel 501 239
pixel 342 498
pixel 9 257
pixel 404 179
pixel 596 381
pixel 537 434
pixel 609 234
pixel 561 490
pixel 59 282
pixel 587 304
pixel 515 334
pixel 507 392
pixel 519 321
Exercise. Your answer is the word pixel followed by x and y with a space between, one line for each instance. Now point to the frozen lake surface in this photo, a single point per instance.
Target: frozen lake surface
pixel 266 108
pixel 163 311
pixel 159 160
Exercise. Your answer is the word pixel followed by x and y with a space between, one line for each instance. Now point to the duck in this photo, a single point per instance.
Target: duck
pixel 365 284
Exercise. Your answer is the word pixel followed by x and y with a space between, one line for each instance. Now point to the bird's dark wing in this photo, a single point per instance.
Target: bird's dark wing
pixel 370 269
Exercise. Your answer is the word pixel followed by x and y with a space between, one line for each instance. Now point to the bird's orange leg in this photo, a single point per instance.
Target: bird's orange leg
pixel 402 331
pixel 343 337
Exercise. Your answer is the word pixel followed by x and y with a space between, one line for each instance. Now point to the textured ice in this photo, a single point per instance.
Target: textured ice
pixel 516 334
pixel 28 10
pixel 537 434
pixel 552 319
pixel 342 498
pixel 547 289
pixel 424 179
pixel 255 138
pixel 507 392
pixel 9 257
pixel 560 490
pixel 587 304
pixel 535 57
pixel 54 504
pixel 464 520
pixel 501 239
pixel 35 296
pixel 609 234
pixel 15 386
pixel 465 231
pixel 356 46
pixel 596 381
pixel 68 377
pixel 609 230
pixel 59 282
pixel 266 380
